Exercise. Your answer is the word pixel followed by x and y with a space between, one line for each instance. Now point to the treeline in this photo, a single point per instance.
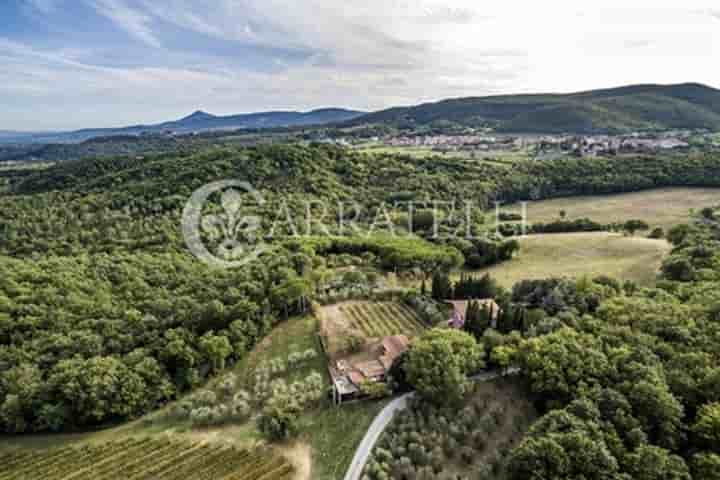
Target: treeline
pixel 601 176
pixel 128 204
pixel 404 253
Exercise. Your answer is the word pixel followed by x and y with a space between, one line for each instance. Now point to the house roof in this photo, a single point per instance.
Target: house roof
pixel 356 377
pixel 371 369
pixel 395 345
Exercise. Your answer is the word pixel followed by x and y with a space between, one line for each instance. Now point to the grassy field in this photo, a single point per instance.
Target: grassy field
pixel 659 207
pixel 579 254
pixel 333 435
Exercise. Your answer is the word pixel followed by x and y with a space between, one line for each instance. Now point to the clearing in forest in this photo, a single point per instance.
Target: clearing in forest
pixel 578 254
pixel 661 207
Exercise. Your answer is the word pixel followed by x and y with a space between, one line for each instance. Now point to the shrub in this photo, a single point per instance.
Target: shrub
pixel 240 409
pixel 241 395
pixel 294 359
pixel 181 409
pixel 227 385
pixel 204 398
pixel 202 416
pixel 279 419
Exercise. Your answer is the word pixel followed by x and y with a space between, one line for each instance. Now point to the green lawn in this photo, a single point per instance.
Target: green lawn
pixel 335 433
pixel 662 207
pixel 579 254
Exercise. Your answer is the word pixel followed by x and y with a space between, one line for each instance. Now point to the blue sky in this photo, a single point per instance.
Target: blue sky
pixel 67 64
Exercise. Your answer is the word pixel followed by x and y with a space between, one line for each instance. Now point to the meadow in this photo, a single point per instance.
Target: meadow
pixel 663 207
pixel 580 254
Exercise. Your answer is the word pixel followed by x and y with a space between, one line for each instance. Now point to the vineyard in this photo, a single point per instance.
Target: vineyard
pixel 381 319
pixel 144 458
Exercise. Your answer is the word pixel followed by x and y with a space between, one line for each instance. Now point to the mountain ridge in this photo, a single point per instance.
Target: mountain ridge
pixel 620 109
pixel 640 107
pixel 197 122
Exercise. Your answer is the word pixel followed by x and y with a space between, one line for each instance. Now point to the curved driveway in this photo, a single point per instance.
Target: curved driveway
pixel 384 418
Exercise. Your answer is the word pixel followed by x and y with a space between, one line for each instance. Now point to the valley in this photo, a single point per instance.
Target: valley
pixel 118 341
pixel 399 240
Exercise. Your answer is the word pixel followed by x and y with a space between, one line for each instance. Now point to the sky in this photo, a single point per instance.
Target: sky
pixel 68 64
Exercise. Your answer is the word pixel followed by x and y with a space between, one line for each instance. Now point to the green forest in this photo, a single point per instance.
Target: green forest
pixel 105 315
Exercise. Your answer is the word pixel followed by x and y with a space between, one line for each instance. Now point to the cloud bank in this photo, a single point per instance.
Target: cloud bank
pixel 114 62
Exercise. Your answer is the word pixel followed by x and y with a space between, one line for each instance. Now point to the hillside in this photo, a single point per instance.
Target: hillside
pixel 198 121
pixel 637 107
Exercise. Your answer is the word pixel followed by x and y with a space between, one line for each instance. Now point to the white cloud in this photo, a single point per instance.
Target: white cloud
pixel 133 21
pixel 369 55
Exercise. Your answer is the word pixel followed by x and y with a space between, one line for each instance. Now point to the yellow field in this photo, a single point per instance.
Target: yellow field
pixel 579 254
pixel 663 207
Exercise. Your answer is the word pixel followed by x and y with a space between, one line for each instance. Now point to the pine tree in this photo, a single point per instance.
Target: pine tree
pixel 477 319
pixel 441 287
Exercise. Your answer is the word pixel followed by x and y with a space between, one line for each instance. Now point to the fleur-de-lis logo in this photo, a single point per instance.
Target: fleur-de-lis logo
pixel 234 236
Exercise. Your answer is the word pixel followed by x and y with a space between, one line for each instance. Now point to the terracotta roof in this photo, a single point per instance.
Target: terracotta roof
pixel 371 369
pixel 395 346
pixel 356 377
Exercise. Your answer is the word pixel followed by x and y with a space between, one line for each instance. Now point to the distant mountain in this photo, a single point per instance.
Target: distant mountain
pixel 196 122
pixel 615 110
pixel 631 108
pixel 12 136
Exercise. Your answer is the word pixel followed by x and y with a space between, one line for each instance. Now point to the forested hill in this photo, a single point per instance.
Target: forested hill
pixel 42 204
pixel 104 315
pixel 631 108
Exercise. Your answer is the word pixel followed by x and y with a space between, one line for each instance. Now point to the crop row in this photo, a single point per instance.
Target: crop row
pixel 144 459
pixel 383 319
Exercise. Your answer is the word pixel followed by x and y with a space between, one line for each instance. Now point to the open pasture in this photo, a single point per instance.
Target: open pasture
pixel 663 207
pixel 578 254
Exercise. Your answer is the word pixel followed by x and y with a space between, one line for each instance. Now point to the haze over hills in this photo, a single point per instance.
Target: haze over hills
pixel 198 121
pixel 615 110
pixel 630 108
